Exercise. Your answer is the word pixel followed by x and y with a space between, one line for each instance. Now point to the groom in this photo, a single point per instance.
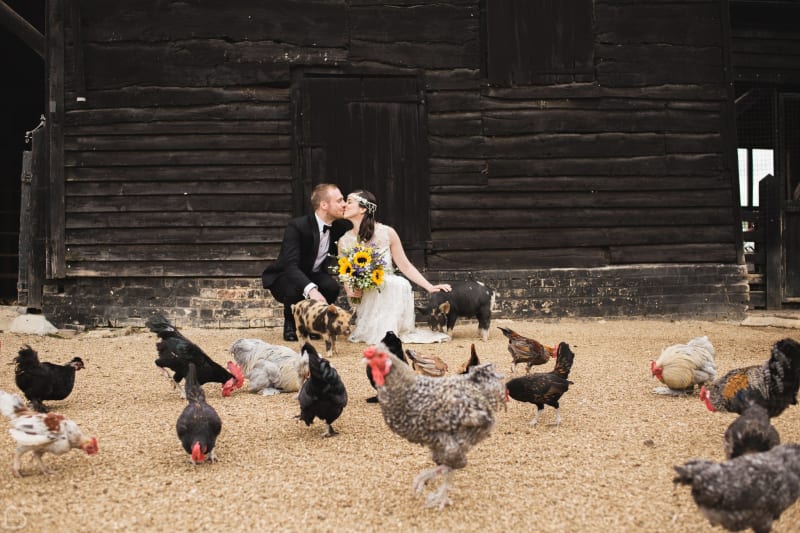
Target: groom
pixel 301 268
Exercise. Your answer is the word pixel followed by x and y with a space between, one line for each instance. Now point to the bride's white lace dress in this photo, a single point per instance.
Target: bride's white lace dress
pixel 391 308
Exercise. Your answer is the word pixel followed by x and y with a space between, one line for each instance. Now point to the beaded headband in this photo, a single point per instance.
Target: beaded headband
pixel 366 204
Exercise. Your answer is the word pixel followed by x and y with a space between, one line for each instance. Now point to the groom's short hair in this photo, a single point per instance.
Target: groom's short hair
pixel 320 193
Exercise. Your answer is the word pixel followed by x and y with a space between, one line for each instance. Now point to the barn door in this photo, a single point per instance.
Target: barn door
pixel 367 132
pixel 789 166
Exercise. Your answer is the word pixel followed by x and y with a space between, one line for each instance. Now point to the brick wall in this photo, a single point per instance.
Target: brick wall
pixel 712 292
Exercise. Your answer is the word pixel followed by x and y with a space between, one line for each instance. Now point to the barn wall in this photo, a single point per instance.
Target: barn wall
pixel 178 141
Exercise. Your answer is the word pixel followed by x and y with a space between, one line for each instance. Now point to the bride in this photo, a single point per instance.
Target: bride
pixel 390 308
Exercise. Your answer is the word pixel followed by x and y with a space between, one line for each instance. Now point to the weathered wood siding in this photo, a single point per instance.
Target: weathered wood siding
pixel 179 160
pixel 604 149
pixel 765 42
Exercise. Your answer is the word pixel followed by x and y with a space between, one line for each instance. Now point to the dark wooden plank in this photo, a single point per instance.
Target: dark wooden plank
pixel 181 127
pixel 668 91
pixel 608 183
pixel 579 199
pixel 161 237
pixel 697 24
pixel 670 165
pixel 201 63
pixel 185 96
pixel 244 111
pixel 188 202
pixel 176 142
pixel 536 238
pixel 550 120
pixel 426 23
pixel 264 221
pixel 580 217
pixel 177 157
pixel 275 174
pixel 553 258
pixel 686 253
pixel 192 268
pixel 424 55
pixel 175 252
pixel 307 22
pixel 221 187
pixel 455 124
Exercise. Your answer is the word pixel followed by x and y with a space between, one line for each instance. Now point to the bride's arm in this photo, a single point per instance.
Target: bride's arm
pixel 408 269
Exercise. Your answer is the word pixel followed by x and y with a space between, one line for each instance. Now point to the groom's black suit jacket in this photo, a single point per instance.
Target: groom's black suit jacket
pixel 295 262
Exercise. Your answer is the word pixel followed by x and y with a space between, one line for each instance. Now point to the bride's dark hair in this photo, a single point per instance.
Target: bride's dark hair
pixel 367 229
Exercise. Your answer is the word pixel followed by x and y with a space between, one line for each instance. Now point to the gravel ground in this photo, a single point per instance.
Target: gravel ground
pixel 608 466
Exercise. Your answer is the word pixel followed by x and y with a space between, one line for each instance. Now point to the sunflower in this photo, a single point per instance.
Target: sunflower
pixel 343 261
pixel 362 259
pixel 345 268
pixel 377 276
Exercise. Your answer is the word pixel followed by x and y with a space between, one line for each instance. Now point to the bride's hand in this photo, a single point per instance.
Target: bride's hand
pixel 441 287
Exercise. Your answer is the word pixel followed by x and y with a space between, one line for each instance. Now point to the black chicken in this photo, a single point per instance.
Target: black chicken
pixel 751 432
pixel 546 388
pixel 395 346
pixel 169 349
pixel 44 381
pixel 323 395
pixel 199 424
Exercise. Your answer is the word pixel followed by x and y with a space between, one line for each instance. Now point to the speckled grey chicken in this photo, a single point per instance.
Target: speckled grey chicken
pixel 449 415
pixel 751 432
pixel 749 491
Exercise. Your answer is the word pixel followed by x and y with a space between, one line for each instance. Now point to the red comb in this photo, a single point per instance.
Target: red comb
pixel 236 370
pixel 369 353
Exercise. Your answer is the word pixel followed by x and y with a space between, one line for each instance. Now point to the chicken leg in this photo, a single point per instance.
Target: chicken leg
pixel 439 498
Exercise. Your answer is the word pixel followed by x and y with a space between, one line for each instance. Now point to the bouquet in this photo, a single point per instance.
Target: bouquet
pixel 361 268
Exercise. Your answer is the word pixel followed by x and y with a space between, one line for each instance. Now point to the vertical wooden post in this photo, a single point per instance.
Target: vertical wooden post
pixel 55 123
pixel 769 196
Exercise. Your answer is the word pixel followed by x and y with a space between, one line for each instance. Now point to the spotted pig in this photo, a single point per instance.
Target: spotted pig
pixel 467 299
pixel 327 320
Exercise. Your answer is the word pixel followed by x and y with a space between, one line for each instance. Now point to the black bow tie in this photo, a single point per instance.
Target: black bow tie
pixel 325 228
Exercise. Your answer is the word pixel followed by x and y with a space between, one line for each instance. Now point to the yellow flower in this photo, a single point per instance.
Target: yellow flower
pixel 362 258
pixel 345 268
pixel 343 261
pixel 377 276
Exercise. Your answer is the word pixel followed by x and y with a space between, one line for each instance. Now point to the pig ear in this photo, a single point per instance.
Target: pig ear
pixel 445 307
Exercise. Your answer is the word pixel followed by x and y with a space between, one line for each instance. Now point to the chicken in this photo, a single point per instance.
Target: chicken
pixel 545 388
pixel 751 432
pixel 682 366
pixel 749 491
pixel 395 346
pixel 207 370
pixel 449 415
pixel 270 368
pixel 469 363
pixel 427 365
pixel 525 350
pixel 323 395
pixel 773 384
pixel 198 425
pixel 44 381
pixel 41 433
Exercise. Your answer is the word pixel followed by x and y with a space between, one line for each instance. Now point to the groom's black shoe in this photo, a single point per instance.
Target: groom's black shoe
pixel 289 329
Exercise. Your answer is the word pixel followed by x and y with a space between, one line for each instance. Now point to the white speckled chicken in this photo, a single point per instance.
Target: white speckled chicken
pixel 682 366
pixel 41 433
pixel 449 415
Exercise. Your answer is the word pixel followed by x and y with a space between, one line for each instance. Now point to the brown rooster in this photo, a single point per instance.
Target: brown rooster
pixel 772 385
pixel 544 388
pixel 751 432
pixel 525 350
pixel 427 365
pixel 449 415
pixel 469 363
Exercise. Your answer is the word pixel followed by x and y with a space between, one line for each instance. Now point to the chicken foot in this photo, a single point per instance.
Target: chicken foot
pixel 330 432
pixel 438 498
